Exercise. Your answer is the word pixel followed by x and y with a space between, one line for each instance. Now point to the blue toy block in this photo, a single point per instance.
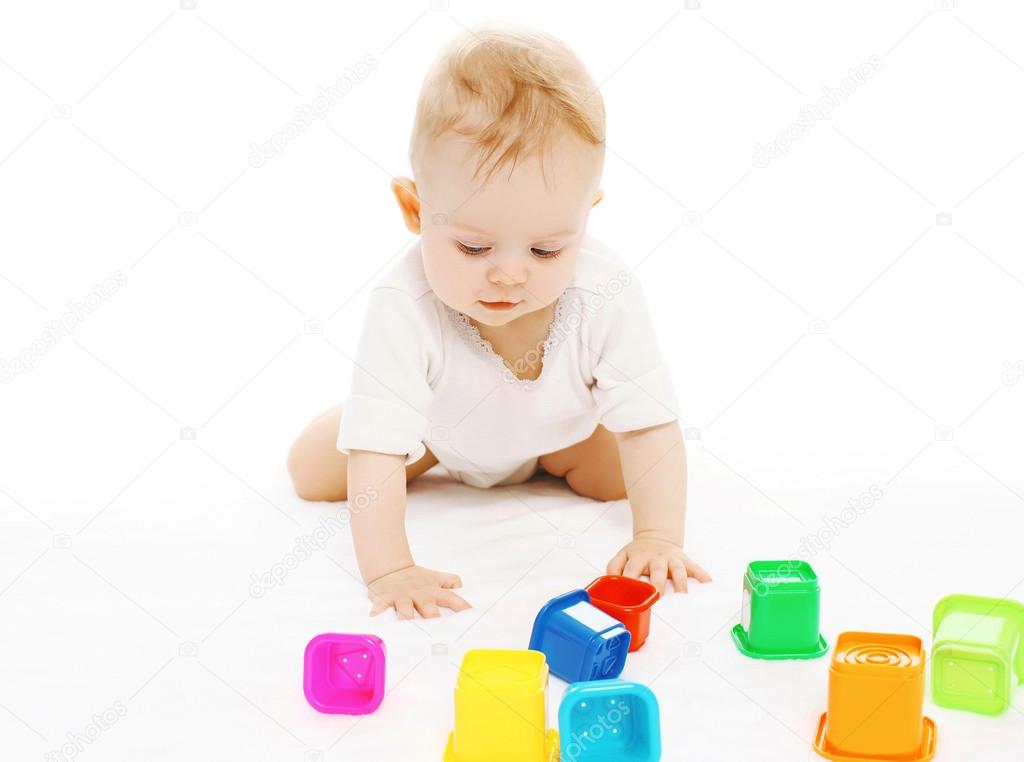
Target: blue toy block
pixel 609 721
pixel 580 641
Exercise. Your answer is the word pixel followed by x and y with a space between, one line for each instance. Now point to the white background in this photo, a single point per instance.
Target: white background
pixel 826 336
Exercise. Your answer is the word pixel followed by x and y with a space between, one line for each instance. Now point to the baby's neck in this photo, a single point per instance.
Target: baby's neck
pixel 520 339
pixel 523 328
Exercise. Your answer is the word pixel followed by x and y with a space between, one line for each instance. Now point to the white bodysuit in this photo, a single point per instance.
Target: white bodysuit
pixel 424 376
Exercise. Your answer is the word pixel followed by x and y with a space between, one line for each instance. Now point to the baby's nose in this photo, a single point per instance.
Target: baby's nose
pixel 505 269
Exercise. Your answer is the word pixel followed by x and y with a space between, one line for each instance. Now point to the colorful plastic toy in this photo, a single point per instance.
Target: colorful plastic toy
pixel 875 701
pixel 580 641
pixel 501 709
pixel 628 600
pixel 609 721
pixel 344 674
pixel 781 612
pixel 977 652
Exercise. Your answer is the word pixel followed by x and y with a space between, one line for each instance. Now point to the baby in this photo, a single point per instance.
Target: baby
pixel 505 340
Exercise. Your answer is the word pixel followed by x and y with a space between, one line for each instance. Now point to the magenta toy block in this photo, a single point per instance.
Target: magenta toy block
pixel 343 673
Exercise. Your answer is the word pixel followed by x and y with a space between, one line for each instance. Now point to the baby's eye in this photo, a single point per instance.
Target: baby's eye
pixel 465 249
pixel 545 253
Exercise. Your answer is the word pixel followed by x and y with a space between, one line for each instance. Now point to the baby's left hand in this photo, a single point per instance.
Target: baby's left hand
pixel 660 560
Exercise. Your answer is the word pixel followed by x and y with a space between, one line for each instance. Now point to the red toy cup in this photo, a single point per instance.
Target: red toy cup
pixel 628 600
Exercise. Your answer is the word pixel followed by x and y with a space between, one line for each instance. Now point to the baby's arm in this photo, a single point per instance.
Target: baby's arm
pixel 654 470
pixel 377 496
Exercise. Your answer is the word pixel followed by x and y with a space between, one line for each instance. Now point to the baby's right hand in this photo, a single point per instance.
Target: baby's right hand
pixel 415 589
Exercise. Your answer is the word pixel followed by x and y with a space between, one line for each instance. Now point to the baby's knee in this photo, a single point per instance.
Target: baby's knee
pixel 311 482
pixel 317 469
pixel 597 485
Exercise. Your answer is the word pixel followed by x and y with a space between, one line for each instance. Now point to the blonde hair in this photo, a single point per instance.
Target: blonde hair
pixel 511 89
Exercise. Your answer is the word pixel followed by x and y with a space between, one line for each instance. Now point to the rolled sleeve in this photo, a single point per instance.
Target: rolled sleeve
pixel 386 409
pixel 633 388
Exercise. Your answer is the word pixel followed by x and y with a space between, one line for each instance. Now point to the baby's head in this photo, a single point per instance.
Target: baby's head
pixel 507 152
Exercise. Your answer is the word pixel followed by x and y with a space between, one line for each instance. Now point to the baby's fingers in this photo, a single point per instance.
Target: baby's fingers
pixel 659 573
pixel 635 566
pixel 380 605
pixel 697 572
pixel 452 601
pixel 617 563
pixel 427 608
pixel 450 580
pixel 404 608
pixel 677 568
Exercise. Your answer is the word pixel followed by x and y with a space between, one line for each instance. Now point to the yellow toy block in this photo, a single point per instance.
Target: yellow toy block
pixel 501 709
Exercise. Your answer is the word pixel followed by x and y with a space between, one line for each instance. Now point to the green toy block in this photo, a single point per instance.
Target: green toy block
pixel 977 653
pixel 781 612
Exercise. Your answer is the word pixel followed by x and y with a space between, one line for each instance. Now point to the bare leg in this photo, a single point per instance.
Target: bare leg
pixel 319 471
pixel 591 467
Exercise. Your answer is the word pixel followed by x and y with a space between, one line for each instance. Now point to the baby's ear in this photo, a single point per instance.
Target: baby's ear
pixel 408 201
pixel 597 199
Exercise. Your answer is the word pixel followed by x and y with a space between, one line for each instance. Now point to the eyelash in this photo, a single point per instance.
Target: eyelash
pixel 474 251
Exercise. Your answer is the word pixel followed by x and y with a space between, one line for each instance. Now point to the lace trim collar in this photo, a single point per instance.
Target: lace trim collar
pixel 471 335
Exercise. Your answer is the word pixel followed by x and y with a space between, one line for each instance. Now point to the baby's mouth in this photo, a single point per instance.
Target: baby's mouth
pixel 499 305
